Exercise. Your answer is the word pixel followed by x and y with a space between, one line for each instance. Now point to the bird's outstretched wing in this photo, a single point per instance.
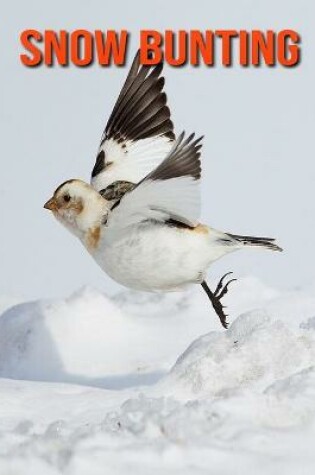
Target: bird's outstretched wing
pixel 170 192
pixel 139 133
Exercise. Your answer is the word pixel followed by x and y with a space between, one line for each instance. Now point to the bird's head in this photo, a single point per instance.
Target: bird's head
pixel 78 206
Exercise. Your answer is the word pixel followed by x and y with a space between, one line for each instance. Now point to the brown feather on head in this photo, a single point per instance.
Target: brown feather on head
pixel 79 208
pixel 63 200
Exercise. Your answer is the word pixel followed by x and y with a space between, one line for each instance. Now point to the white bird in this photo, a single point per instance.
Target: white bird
pixel 142 226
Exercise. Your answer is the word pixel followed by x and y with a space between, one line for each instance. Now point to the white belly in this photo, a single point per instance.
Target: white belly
pixel 157 257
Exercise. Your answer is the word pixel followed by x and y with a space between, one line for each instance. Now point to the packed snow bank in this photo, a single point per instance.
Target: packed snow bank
pixel 91 339
pixel 256 350
pixel 234 401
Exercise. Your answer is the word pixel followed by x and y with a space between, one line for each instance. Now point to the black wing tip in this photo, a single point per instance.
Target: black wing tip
pixel 170 135
pixel 99 164
pixel 143 86
pixel 136 59
pixel 189 142
pixel 189 153
pixel 152 69
pixel 156 70
pixel 183 160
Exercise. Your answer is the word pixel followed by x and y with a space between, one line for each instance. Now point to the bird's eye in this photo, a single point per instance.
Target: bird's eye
pixel 66 198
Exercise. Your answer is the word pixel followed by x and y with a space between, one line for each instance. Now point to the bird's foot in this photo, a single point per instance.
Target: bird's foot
pixel 220 291
pixel 216 296
pixel 221 288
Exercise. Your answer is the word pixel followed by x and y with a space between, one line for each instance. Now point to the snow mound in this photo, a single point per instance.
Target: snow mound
pixel 85 338
pixel 235 401
pixel 91 339
pixel 256 350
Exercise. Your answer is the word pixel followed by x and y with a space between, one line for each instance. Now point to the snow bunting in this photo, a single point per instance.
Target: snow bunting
pixel 139 218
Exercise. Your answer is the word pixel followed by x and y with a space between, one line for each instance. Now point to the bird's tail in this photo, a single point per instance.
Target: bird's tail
pixel 268 243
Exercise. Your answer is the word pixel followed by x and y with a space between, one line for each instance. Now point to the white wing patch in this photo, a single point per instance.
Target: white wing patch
pixel 132 160
pixel 176 198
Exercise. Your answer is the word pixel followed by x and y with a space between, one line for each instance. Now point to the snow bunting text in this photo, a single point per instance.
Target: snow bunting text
pixel 225 48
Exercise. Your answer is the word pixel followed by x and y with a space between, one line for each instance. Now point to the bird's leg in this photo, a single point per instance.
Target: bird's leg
pixel 216 296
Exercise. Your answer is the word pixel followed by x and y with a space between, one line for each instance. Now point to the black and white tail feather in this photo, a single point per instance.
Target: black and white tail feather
pixel 268 243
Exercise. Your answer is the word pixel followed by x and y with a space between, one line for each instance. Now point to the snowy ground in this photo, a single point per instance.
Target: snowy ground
pixel 92 385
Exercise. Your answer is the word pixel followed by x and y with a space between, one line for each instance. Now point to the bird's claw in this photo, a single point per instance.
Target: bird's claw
pixel 219 310
pixel 220 291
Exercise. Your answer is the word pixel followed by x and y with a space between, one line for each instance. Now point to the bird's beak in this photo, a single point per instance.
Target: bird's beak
pixel 51 205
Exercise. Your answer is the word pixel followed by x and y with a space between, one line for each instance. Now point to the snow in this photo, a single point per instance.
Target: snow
pixel 145 383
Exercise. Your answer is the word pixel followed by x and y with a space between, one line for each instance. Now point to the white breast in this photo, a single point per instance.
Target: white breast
pixel 157 257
